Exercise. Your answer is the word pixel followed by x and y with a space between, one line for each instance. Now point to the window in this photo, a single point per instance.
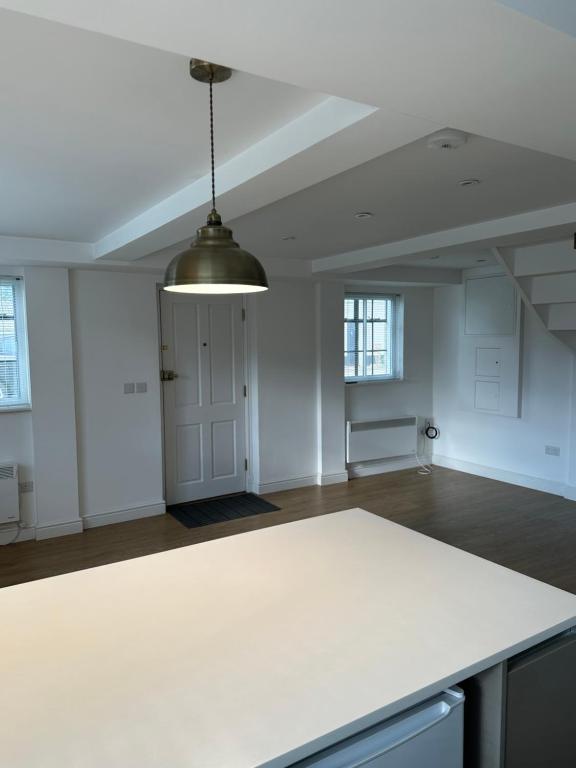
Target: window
pixel 372 337
pixel 14 387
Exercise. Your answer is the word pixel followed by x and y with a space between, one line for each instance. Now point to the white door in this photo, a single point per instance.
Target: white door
pixel 204 413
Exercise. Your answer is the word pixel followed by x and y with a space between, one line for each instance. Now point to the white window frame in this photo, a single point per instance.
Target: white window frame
pixel 22 402
pixel 397 336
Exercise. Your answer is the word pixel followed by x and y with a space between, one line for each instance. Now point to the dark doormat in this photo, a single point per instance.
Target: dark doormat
pixel 194 514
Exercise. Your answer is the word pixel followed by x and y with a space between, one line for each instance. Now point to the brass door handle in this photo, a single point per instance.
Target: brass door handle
pixel 166 375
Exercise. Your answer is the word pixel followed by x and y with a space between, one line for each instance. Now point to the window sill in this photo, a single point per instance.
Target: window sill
pixel 374 380
pixel 15 408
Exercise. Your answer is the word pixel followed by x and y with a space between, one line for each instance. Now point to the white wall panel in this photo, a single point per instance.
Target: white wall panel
pixel 115 331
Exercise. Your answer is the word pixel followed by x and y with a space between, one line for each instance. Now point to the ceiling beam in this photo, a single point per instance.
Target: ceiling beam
pixel 34 251
pixel 187 207
pixel 333 137
pixel 486 233
pixel 407 275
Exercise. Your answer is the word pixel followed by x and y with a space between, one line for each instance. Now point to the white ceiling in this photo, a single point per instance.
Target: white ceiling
pixel 412 191
pixel 96 129
pixel 101 135
pixel 473 64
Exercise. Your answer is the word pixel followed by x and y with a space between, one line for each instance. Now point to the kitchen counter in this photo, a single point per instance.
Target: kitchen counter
pixel 253 650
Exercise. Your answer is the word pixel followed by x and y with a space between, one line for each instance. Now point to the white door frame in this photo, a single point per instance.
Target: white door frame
pixel 250 401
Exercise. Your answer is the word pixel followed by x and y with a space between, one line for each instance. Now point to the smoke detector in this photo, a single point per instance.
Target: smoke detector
pixel 447 139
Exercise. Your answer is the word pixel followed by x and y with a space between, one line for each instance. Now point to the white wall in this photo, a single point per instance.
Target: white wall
pixel 43 440
pixel 115 336
pixel 330 392
pixel 285 338
pixel 512 448
pixel 300 384
pixel 413 395
pixel 52 392
pixel 89 449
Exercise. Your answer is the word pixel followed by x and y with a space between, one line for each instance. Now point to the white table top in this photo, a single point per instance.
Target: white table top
pixel 236 652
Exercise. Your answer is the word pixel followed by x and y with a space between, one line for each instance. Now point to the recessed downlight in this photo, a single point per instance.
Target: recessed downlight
pixel 469 182
pixel 363 215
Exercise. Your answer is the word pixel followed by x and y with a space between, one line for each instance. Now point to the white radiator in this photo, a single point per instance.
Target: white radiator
pixel 381 439
pixel 9 507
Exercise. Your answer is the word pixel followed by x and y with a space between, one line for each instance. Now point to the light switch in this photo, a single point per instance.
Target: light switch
pixel 129 388
pixel 141 387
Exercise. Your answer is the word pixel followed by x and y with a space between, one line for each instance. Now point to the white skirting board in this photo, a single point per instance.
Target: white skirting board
pixel 337 477
pixel 287 485
pixel 12 534
pixel 515 478
pixel 50 531
pixel 91 521
pixel 302 482
pixel 124 515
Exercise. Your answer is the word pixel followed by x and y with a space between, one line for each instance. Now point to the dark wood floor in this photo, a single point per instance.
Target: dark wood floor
pixel 529 531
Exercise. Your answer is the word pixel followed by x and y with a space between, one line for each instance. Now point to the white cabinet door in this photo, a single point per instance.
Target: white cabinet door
pixel 204 412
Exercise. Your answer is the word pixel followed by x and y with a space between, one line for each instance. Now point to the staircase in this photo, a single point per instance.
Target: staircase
pixel 545 275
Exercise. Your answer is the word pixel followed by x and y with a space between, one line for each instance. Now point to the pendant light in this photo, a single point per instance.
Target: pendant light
pixel 214 262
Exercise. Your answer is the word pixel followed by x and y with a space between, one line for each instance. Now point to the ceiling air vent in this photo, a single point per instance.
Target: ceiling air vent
pixel 447 139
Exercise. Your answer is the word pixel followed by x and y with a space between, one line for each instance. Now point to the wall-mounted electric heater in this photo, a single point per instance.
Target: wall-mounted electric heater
pixel 380 439
pixel 9 507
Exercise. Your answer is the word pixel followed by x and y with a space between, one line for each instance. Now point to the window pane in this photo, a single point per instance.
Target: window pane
pixel 380 309
pixel 349 309
pixel 379 335
pixel 381 367
pixel 349 336
pixel 349 364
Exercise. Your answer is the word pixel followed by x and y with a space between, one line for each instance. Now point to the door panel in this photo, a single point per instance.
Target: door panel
pixel 204 412
pixel 187 358
pixel 224 462
pixel 189 453
pixel 221 354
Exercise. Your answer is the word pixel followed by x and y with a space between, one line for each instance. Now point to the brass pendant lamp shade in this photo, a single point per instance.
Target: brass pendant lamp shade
pixel 214 262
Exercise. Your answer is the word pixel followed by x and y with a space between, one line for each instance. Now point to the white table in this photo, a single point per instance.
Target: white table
pixel 253 650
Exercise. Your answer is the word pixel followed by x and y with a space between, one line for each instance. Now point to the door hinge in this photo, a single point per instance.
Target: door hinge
pixel 243 314
pixel 245 465
pixel 245 391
